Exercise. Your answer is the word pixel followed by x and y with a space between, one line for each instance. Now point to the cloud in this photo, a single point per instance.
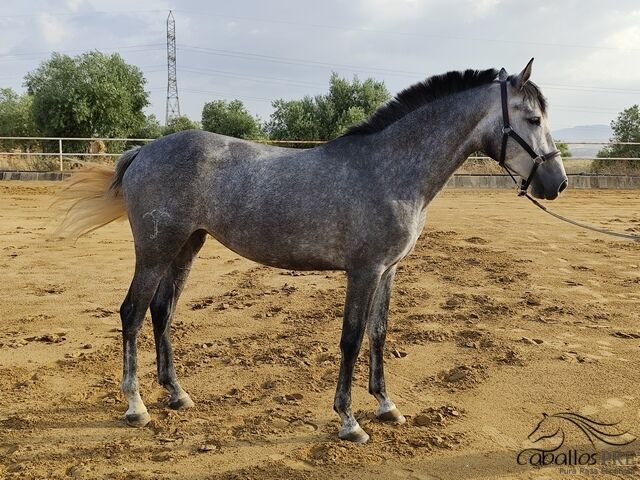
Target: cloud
pixel 74 5
pixel 52 30
pixel 624 38
pixel 482 8
pixel 398 41
pixel 389 12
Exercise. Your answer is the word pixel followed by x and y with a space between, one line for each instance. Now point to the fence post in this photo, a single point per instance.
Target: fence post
pixel 60 152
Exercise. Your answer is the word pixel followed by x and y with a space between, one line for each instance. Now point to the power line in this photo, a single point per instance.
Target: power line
pixel 584 88
pixel 141 48
pixel 418 34
pixel 79 14
pixel 369 69
pixel 297 61
pixel 255 78
pixel 227 95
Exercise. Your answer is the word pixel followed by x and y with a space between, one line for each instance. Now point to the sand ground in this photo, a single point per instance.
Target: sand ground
pixel 501 314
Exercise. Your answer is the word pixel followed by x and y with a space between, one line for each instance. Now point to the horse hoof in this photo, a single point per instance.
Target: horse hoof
pixel 137 419
pixel 356 435
pixel 181 403
pixel 392 416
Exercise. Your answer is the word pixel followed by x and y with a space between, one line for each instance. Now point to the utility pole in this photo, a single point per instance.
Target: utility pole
pixel 173 102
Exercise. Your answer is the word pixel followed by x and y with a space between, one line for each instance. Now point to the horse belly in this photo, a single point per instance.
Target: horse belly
pixel 282 245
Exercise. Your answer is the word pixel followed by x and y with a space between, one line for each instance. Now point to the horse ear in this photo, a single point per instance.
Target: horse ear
pixel 522 78
pixel 502 75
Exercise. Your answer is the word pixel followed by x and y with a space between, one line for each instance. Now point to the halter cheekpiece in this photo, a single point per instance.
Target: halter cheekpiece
pixel 507 132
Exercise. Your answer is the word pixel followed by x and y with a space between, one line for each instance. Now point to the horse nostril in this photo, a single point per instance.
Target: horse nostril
pixel 562 186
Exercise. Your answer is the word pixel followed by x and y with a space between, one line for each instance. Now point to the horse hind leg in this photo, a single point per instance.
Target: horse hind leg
pixel 143 286
pixel 158 240
pixel 163 307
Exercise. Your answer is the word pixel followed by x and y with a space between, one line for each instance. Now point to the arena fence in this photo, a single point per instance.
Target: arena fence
pixel 45 154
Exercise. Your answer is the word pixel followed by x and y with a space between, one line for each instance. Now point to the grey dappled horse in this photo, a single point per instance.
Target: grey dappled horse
pixel 357 203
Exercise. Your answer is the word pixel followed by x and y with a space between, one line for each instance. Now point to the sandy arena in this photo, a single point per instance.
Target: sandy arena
pixel 500 314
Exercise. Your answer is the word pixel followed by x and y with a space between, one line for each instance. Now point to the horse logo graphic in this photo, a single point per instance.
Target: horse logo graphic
pixel 550 427
pixel 550 434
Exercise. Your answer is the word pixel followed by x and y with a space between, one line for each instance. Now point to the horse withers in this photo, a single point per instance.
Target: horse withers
pixel 357 203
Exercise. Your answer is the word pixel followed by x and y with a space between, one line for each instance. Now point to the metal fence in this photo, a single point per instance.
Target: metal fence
pixel 70 157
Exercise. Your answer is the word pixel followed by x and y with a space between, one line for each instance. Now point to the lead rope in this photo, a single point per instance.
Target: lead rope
pixel 626 236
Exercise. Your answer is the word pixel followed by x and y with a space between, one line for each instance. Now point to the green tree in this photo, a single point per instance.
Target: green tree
pixel 564 149
pixel 178 124
pixel 327 116
pixel 16 119
pixel 293 120
pixel 150 128
pixel 90 95
pixel 626 128
pixel 230 118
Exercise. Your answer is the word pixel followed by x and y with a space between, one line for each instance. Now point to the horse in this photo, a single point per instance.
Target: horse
pixel 356 204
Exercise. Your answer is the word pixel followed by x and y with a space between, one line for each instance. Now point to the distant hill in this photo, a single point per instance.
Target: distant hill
pixel 587 133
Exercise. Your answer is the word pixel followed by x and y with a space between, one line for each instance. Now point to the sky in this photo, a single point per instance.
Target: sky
pixel 587 52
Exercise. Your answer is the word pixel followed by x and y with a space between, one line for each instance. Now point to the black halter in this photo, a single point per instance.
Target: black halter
pixel 507 132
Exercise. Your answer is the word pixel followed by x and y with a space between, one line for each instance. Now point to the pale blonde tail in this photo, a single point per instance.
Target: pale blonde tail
pixel 92 198
pixel 87 202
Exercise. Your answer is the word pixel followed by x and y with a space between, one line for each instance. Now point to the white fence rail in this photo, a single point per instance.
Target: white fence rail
pixel 61 154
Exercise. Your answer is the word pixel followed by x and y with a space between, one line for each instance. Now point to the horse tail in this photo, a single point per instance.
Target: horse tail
pixel 92 198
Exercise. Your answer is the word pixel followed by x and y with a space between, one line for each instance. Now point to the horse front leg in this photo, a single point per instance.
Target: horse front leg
pixel 361 287
pixel 377 328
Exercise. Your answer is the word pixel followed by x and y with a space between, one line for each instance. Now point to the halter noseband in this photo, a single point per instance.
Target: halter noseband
pixel 507 132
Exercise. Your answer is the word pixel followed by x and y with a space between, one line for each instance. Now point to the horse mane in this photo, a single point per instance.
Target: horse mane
pixel 593 429
pixel 431 89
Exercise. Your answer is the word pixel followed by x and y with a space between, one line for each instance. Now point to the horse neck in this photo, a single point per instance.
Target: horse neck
pixel 427 146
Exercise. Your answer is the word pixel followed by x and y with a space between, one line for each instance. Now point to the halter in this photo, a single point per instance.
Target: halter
pixel 507 132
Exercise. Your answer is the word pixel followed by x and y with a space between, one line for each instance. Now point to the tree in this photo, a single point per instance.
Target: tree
pixel 16 119
pixel 626 128
pixel 564 149
pixel 90 95
pixel 327 116
pixel 178 124
pixel 230 118
pixel 293 120
pixel 150 128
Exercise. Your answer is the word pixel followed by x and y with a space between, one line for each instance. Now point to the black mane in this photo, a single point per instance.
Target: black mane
pixel 429 90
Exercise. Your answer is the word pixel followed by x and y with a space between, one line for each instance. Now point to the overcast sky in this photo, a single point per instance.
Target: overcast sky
pixel 587 51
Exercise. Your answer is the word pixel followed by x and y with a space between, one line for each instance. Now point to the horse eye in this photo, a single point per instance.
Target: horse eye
pixel 534 120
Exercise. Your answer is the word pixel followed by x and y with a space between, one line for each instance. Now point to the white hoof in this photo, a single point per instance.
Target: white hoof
pixel 137 419
pixel 355 434
pixel 392 416
pixel 181 403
